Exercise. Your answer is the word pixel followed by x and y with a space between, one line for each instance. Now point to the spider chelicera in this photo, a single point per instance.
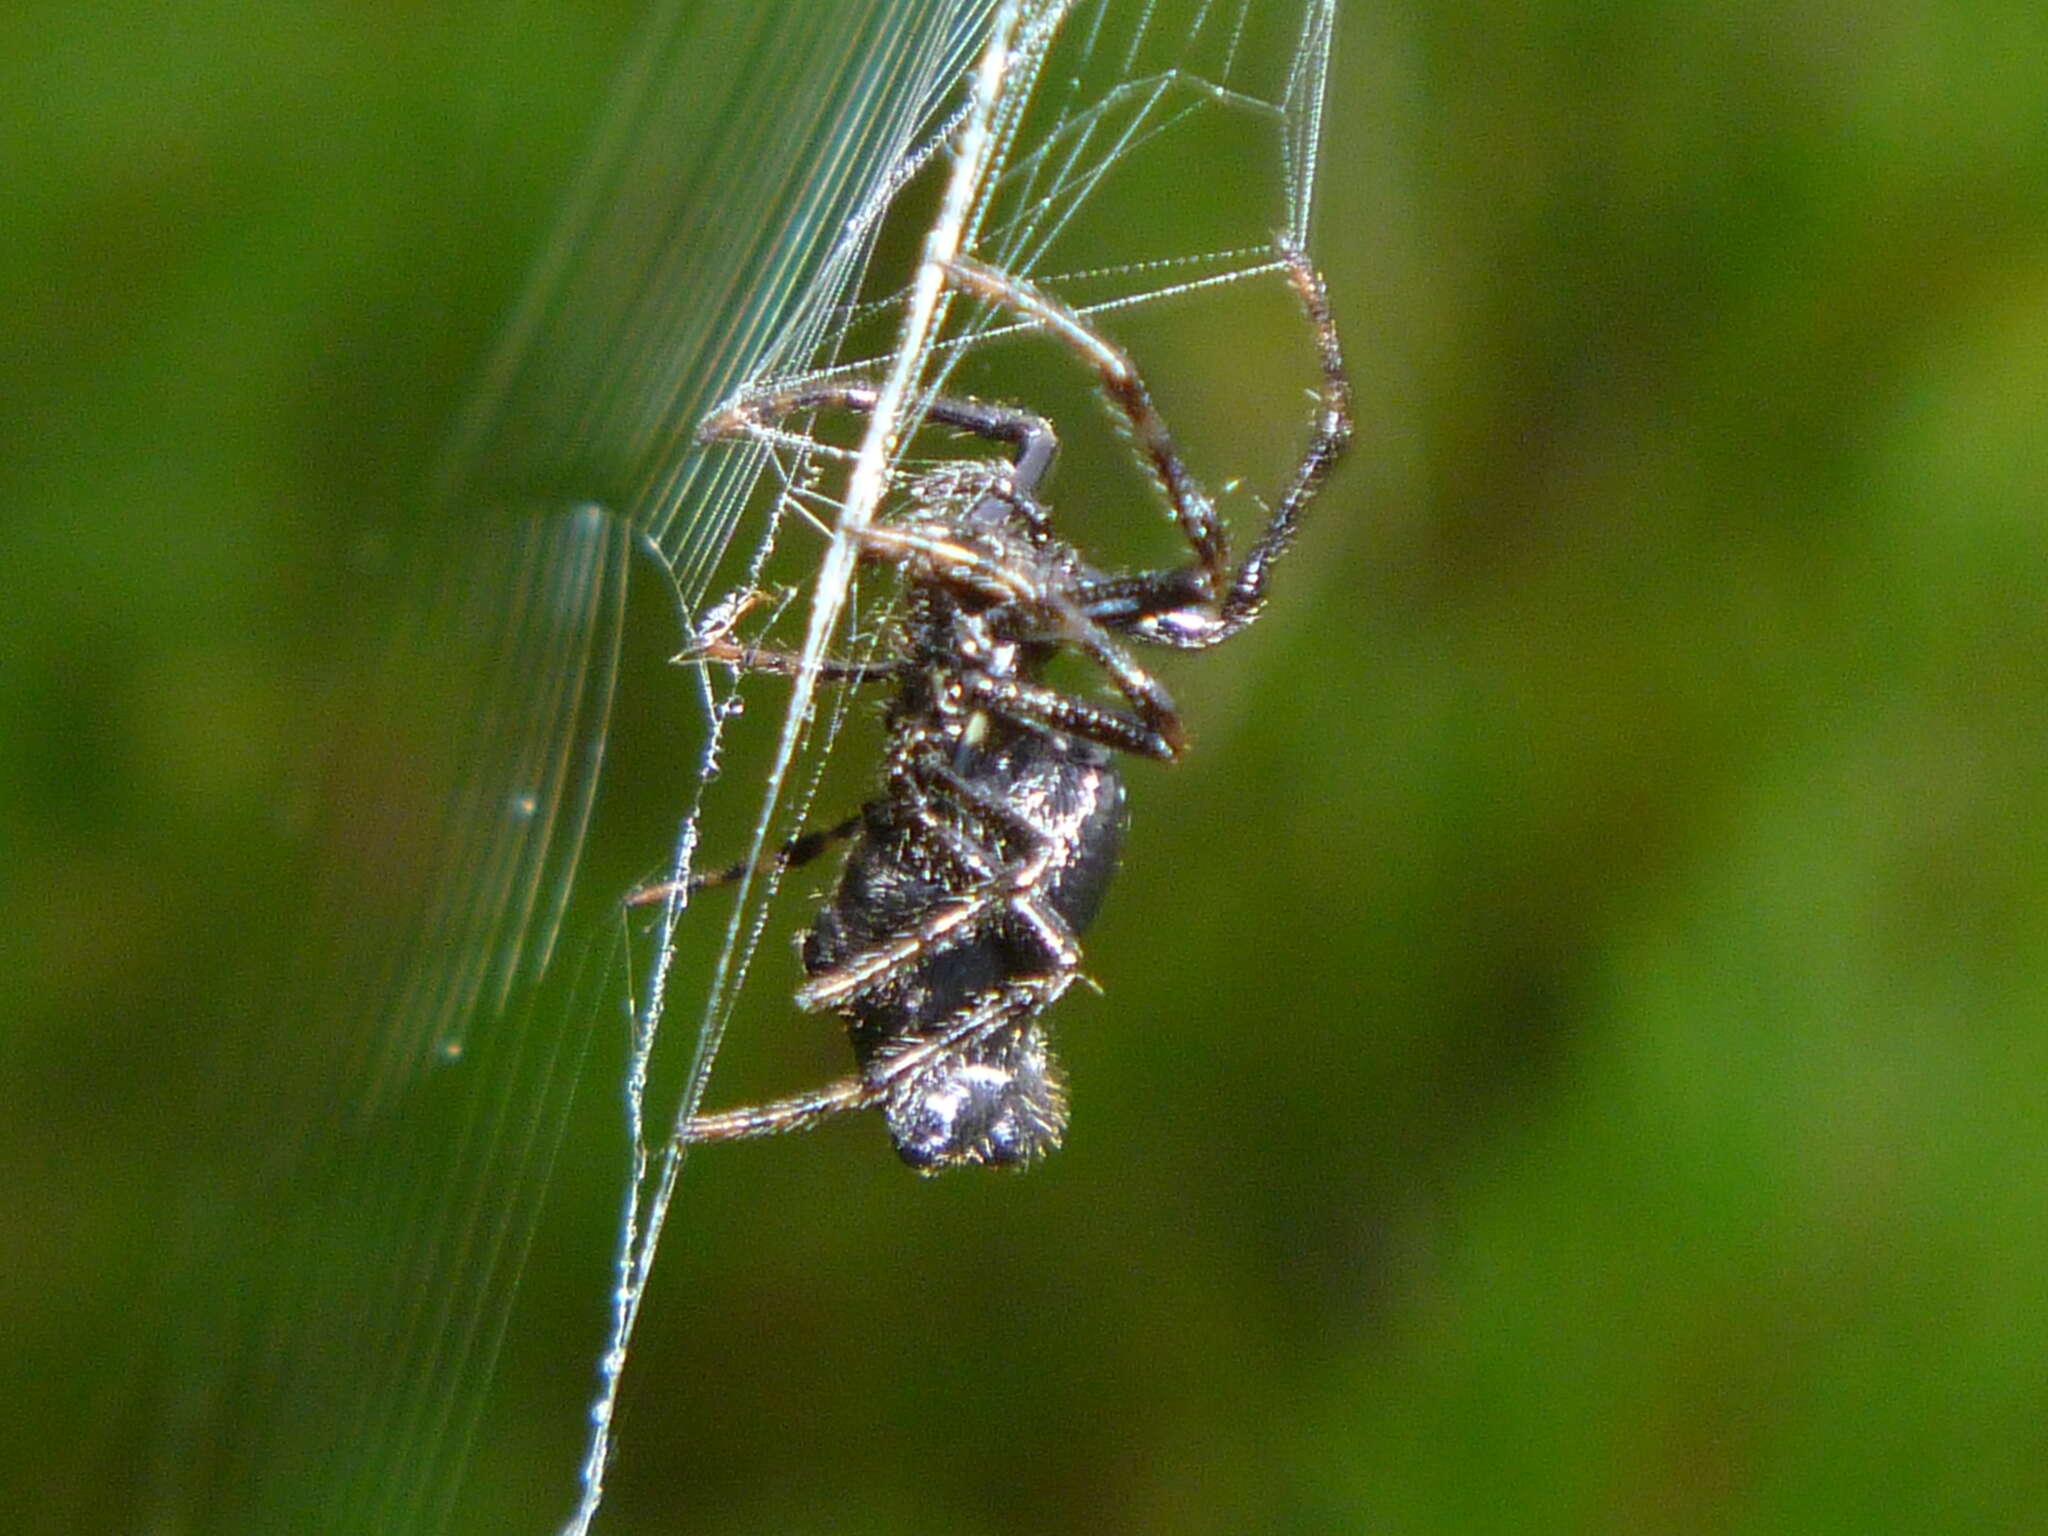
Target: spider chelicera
pixel 986 852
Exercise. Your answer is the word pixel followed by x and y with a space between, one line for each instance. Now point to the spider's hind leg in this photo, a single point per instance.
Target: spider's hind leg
pixel 1331 437
pixel 794 854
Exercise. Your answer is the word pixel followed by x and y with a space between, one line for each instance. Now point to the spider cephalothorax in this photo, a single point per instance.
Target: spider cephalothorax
pixel 986 852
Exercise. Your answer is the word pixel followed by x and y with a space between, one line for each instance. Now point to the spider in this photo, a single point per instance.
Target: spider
pixel 955 923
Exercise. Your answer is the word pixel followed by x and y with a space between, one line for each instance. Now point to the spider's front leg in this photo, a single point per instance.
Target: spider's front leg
pixel 1326 446
pixel 1205 602
pixel 780 1117
pixel 1126 388
pixel 1031 435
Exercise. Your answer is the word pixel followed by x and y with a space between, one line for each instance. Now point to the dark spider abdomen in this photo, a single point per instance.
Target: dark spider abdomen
pixel 990 1095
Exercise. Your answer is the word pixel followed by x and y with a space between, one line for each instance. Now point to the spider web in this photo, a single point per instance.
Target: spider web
pixel 766 200
pixel 1028 161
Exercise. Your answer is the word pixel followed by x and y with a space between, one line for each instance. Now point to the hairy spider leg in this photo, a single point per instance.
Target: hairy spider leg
pixel 1032 435
pixel 1332 436
pixel 794 854
pixel 1206 603
pixel 714 642
pixel 1037 704
pixel 757 658
pixel 1126 388
pixel 798 1112
pixel 802 1111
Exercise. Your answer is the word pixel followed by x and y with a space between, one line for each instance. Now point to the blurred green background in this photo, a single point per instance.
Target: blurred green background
pixel 1573 1050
